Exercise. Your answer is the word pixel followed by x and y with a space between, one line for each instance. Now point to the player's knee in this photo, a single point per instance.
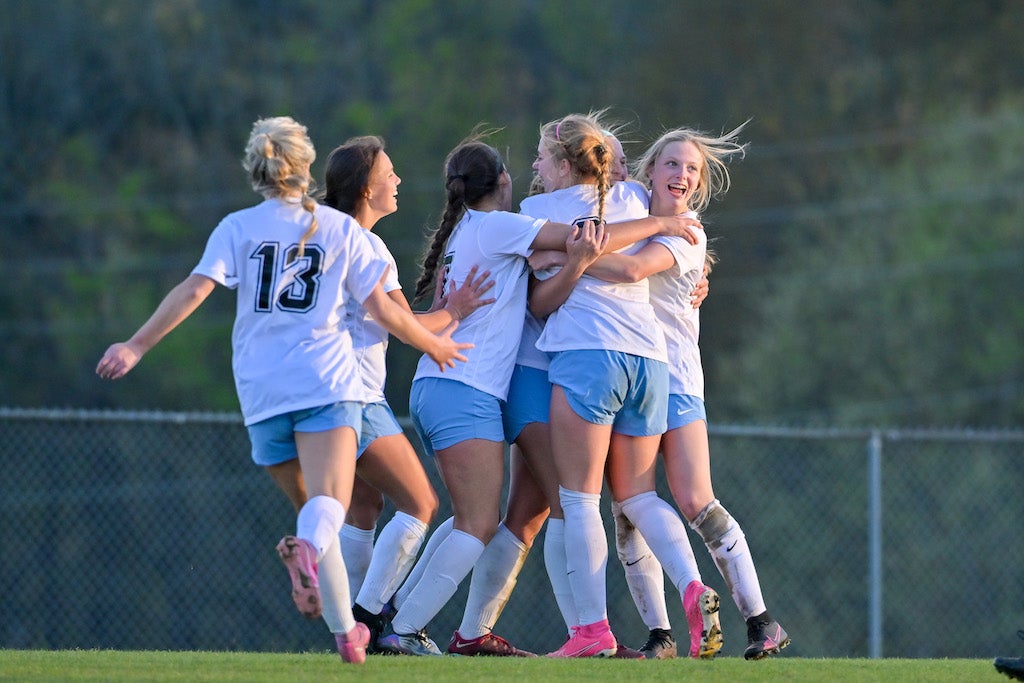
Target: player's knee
pixel 716 526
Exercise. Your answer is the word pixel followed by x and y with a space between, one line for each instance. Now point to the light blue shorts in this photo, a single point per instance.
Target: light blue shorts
pixel 446 412
pixel 684 409
pixel 378 420
pixel 273 439
pixel 610 387
pixel 529 400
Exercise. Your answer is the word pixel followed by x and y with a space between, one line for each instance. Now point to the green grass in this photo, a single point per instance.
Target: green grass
pixel 194 667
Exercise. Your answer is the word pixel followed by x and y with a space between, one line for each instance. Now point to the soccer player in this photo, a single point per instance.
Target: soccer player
pixel 610 380
pixel 295 264
pixel 684 169
pixel 360 180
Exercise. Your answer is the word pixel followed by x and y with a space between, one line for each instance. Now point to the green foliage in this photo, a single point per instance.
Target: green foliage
pixel 871 254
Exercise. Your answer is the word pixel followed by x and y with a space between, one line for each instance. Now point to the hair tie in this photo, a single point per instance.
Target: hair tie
pixel 558 128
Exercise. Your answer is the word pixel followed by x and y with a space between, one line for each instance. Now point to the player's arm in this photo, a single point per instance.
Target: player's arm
pixel 555 235
pixel 582 247
pixel 652 258
pixel 400 322
pixel 179 304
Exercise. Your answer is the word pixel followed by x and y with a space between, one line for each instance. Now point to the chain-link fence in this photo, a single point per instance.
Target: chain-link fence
pixel 156 531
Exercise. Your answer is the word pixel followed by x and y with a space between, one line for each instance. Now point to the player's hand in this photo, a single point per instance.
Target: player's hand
pixel 680 226
pixel 465 299
pixel 700 291
pixel 447 350
pixel 586 242
pixel 118 360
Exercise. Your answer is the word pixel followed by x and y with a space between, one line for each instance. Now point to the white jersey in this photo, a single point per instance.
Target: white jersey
pixel 291 349
pixel 670 296
pixel 599 314
pixel 369 339
pixel 497 241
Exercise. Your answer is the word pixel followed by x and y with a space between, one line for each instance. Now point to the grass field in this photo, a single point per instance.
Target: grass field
pixel 246 667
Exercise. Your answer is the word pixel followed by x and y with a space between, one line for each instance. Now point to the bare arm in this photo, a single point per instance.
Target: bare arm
pixel 179 304
pixel 583 246
pixel 556 235
pixel 653 258
pixel 400 322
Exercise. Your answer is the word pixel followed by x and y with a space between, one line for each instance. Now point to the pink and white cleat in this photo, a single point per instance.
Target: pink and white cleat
pixel 701 605
pixel 352 645
pixel 592 640
pixel 299 557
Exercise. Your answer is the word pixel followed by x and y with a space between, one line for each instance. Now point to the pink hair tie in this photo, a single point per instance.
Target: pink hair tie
pixel 558 128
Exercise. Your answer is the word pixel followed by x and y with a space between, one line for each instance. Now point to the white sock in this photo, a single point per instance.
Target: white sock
pixel 335 597
pixel 393 556
pixel 436 538
pixel 665 533
pixel 644 576
pixel 554 562
pixel 494 577
pixel 586 554
pixel 727 544
pixel 319 522
pixel 357 549
pixel 451 562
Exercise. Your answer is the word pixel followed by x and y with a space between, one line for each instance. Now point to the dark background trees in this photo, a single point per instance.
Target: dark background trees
pixel 872 246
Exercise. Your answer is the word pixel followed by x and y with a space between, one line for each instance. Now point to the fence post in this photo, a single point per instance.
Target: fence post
pixel 875 545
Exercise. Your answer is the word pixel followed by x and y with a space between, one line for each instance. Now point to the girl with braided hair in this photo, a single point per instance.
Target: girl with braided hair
pixel 609 375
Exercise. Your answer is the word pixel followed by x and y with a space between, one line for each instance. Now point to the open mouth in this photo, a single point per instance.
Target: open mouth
pixel 676 189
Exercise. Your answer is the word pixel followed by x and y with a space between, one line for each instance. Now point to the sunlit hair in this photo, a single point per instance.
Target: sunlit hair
pixel 277 159
pixel 471 174
pixel 580 139
pixel 348 171
pixel 715 151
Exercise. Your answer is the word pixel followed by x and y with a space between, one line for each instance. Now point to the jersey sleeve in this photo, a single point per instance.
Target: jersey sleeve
pixel 365 266
pixel 218 261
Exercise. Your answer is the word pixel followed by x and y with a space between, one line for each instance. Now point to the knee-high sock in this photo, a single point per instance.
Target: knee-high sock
pixel 436 538
pixel 319 522
pixel 554 562
pixel 665 533
pixel 335 597
pixel 727 544
pixel 357 549
pixel 586 554
pixel 451 562
pixel 393 555
pixel 644 576
pixel 494 577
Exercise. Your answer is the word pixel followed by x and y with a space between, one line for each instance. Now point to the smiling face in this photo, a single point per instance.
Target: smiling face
pixel 675 177
pixel 381 197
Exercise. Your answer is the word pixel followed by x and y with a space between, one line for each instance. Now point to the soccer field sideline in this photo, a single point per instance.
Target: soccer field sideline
pixel 111 666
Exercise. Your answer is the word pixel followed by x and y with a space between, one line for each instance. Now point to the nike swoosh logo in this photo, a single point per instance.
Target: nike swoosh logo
pixel 585 648
pixel 680 411
pixel 630 564
pixel 729 549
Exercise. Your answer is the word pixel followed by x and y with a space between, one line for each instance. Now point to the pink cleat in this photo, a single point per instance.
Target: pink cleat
pixel 701 606
pixel 592 640
pixel 352 645
pixel 299 557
